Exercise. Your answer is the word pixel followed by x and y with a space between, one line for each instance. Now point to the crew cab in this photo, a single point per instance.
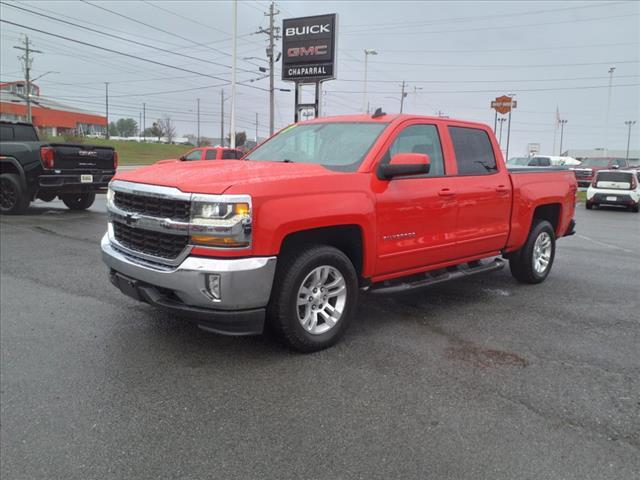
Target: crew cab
pixel 615 187
pixel 212 153
pixel 323 210
pixel 589 166
pixel 31 168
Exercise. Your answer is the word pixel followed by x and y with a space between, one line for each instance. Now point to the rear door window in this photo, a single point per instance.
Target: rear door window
pixel 6 133
pixel 228 154
pixel 474 153
pixel 211 154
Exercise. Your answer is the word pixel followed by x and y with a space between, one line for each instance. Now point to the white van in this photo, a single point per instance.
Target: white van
pixel 552 161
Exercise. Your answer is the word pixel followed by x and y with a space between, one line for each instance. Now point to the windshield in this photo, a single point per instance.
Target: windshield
pixel 521 161
pixel 595 162
pixel 634 162
pixel 337 145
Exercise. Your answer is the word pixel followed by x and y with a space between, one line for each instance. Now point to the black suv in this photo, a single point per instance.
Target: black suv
pixel 30 169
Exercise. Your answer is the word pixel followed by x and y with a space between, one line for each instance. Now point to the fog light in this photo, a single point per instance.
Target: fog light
pixel 213 286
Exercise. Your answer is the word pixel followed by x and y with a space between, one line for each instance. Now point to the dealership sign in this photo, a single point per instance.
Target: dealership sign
pixel 504 104
pixel 309 48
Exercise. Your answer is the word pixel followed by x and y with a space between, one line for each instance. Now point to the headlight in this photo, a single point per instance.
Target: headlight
pixel 221 220
pixel 110 195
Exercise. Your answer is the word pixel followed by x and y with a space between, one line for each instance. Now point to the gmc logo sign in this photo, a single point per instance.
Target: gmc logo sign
pixel 307 51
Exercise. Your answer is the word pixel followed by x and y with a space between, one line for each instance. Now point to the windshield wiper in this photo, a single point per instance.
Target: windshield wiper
pixel 286 160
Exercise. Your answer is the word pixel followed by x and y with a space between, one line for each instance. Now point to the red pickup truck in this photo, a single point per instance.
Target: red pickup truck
pixel 325 209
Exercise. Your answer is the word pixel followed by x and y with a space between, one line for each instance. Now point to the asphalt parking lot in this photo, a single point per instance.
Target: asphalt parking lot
pixel 482 378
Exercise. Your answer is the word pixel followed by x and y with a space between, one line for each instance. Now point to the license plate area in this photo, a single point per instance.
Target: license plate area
pixel 86 178
pixel 612 199
pixel 127 285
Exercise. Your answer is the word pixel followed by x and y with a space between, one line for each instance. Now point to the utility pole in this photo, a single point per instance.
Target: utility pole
pixel 198 102
pixel 402 96
pixel 106 101
pixel 139 124
pixel 562 122
pixel 606 127
pixel 272 31
pixel 222 117
pixel 234 49
pixel 501 120
pixel 27 61
pixel 144 121
pixel 629 123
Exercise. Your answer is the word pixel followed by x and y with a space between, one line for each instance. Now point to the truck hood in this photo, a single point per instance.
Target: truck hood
pixel 217 177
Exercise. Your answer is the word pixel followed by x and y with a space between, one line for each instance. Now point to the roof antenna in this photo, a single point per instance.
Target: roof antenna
pixel 378 113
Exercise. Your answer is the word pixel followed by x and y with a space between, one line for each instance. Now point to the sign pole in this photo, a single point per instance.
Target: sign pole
pixel 508 137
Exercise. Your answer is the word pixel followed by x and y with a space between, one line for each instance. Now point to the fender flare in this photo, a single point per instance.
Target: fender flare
pixel 15 163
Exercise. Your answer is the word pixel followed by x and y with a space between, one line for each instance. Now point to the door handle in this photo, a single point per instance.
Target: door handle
pixel 502 189
pixel 445 192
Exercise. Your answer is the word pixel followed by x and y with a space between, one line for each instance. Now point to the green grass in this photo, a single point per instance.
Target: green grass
pixel 134 153
pixel 581 196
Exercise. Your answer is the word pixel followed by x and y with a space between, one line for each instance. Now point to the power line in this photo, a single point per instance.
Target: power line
pixel 118 37
pixel 494 90
pixel 123 53
pixel 493 65
pixel 443 21
pixel 498 80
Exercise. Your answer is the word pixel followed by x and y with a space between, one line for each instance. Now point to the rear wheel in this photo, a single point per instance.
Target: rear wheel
pixel 532 263
pixel 314 298
pixel 14 199
pixel 589 205
pixel 78 201
pixel 635 208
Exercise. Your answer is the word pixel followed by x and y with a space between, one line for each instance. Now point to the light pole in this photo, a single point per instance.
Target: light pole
pixel 367 52
pixel 606 126
pixel 561 122
pixel 106 104
pixel 629 123
pixel 198 107
pixel 234 49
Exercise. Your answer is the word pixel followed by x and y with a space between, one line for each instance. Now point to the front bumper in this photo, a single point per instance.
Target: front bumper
pixel 245 288
pixel 71 183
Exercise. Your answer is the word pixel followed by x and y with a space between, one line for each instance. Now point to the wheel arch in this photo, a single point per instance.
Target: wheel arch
pixel 348 238
pixel 11 165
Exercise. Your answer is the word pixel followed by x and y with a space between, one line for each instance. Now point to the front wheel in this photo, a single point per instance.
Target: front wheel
pixel 314 298
pixel 532 263
pixel 78 201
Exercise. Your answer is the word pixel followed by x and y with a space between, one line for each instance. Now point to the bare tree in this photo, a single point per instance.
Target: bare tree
pixel 168 128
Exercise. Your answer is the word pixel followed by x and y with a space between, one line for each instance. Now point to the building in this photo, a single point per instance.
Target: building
pixel 600 152
pixel 51 117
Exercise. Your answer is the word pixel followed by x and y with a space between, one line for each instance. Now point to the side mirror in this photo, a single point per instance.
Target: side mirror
pixel 181 157
pixel 405 164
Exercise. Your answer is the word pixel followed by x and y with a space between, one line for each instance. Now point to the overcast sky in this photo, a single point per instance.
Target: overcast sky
pixel 455 57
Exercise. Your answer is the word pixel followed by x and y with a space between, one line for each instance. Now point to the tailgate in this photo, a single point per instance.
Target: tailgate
pixel 83 157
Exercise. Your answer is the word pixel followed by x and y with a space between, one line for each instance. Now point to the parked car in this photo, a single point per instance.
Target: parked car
pixel 31 168
pixel 615 187
pixel 323 209
pixel 588 166
pixel 212 153
pixel 542 161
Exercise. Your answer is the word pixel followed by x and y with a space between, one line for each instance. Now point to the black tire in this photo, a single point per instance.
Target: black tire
pixel 521 263
pixel 635 208
pixel 14 199
pixel 283 310
pixel 78 201
pixel 589 205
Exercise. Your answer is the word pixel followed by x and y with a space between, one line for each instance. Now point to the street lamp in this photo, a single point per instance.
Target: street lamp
pixel 606 126
pixel 561 122
pixel 501 120
pixel 367 52
pixel 629 123
pixel 40 76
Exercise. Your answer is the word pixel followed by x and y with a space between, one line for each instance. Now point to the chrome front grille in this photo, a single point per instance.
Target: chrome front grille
pixel 163 245
pixel 158 207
